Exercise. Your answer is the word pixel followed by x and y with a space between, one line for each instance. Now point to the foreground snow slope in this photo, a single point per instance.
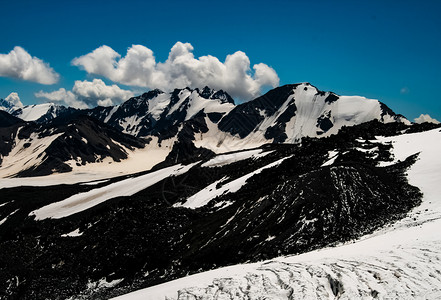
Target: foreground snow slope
pixel 398 262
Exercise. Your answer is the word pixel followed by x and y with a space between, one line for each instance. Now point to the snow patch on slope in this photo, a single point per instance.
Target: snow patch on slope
pixel 4 219
pixel 207 194
pixel 332 156
pixel 226 159
pixel 127 187
pixel 74 233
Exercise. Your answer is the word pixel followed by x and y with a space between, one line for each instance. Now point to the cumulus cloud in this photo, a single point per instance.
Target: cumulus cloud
pixel 96 92
pixel 63 96
pixel 21 65
pixel 425 118
pixel 14 99
pixel 140 68
pixel 86 94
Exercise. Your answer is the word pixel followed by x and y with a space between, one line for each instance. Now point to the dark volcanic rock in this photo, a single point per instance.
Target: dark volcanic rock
pixel 295 206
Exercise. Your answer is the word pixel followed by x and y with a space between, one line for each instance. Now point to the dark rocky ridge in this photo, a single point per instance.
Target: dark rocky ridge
pixel 8 131
pixel 7 119
pixel 246 116
pixel 82 138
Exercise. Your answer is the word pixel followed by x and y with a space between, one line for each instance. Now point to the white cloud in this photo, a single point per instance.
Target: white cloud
pixel 96 92
pixel 87 94
pixel 64 97
pixel 14 99
pixel 425 118
pixel 21 65
pixel 181 69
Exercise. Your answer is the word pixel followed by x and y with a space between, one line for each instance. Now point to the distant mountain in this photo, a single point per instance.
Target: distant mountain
pixel 156 112
pixel 6 106
pixel 31 149
pixel 39 113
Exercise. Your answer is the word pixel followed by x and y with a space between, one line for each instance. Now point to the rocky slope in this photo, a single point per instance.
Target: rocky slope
pixel 110 237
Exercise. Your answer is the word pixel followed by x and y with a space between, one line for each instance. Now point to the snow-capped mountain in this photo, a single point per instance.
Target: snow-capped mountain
pixel 290 112
pixel 207 121
pixel 104 238
pixel 41 112
pixel 38 112
pixel 29 149
pixel 195 120
pixel 284 114
pixel 6 106
pixel 156 112
pixel 186 124
pixel 167 185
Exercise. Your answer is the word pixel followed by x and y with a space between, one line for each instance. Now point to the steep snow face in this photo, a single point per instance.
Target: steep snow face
pixel 37 111
pixel 425 173
pixel 400 261
pixel 198 103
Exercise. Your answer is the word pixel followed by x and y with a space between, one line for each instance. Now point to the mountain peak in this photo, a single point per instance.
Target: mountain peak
pixel 6 105
pixel 209 93
pixel 151 94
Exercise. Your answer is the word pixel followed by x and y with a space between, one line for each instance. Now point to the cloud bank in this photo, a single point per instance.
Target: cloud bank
pixel 86 94
pixel 181 69
pixel 425 118
pixel 21 65
pixel 14 99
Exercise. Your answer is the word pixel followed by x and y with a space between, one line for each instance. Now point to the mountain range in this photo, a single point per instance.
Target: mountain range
pixel 188 122
pixel 298 194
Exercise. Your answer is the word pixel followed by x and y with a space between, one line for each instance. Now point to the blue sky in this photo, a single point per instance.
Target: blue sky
pixel 387 50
